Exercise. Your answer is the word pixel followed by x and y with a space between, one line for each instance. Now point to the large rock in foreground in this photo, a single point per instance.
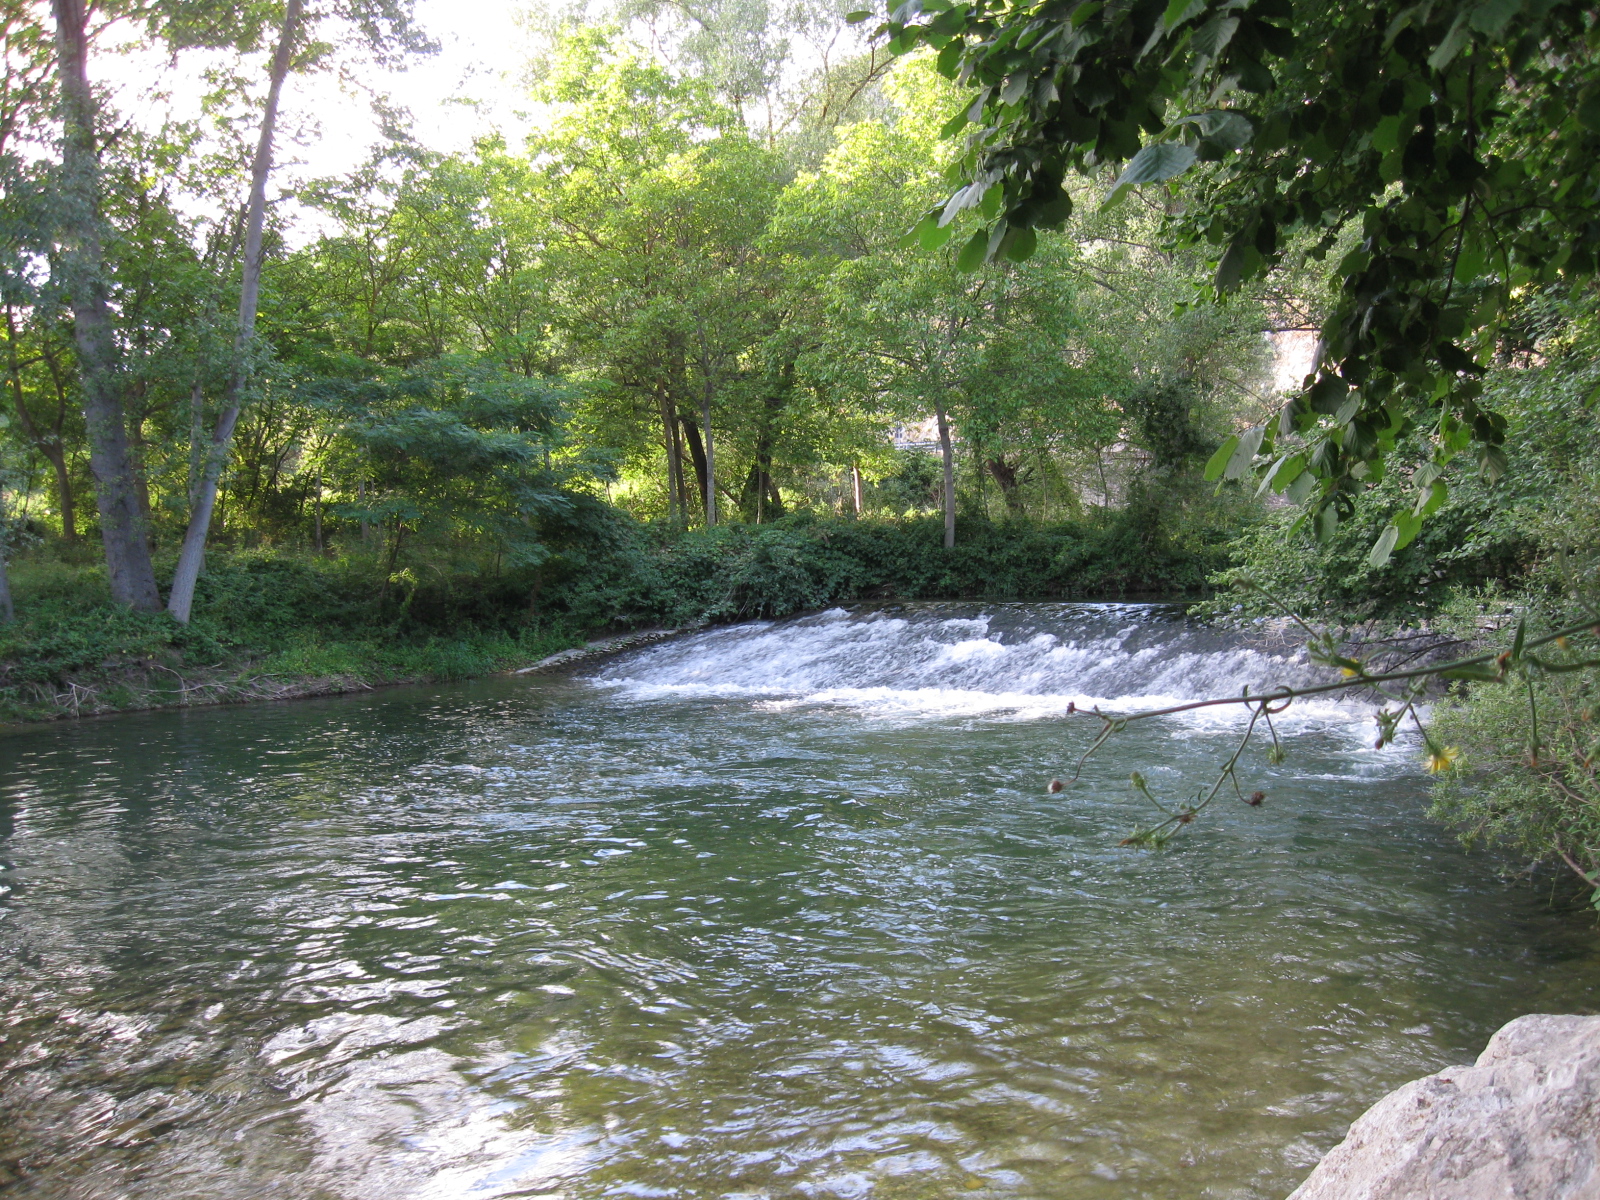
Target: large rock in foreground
pixel 1522 1124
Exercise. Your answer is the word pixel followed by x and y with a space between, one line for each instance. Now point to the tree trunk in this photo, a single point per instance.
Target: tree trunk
pixel 949 475
pixel 7 612
pixel 192 557
pixel 711 457
pixel 56 455
pixel 760 499
pixel 676 510
pixel 197 437
pixel 760 492
pixel 1005 475
pixel 697 452
pixel 316 514
pixel 855 487
pixel 122 527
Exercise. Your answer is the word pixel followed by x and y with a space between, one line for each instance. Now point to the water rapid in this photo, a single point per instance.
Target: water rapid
pixel 777 911
pixel 949 660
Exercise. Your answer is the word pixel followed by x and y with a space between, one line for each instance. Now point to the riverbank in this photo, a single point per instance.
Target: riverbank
pixel 272 624
pixel 311 668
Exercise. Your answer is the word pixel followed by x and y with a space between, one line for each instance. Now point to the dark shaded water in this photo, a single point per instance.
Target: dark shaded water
pixel 699 929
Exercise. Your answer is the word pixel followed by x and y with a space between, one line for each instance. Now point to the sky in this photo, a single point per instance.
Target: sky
pixel 482 53
pixel 471 87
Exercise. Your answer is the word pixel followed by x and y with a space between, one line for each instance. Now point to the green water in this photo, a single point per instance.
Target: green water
pixel 532 937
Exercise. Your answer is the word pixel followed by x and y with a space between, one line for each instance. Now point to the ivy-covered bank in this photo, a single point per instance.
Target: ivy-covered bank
pixel 269 626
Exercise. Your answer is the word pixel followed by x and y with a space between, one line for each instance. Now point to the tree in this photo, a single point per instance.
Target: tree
pixel 655 199
pixel 84 273
pixel 192 555
pixel 1460 142
pixel 85 270
pixel 460 447
pixel 977 350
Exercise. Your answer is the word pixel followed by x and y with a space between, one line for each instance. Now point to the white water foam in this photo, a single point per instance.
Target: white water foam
pixel 1008 661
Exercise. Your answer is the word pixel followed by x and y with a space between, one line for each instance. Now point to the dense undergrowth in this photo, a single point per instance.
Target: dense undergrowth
pixel 1518 550
pixel 268 624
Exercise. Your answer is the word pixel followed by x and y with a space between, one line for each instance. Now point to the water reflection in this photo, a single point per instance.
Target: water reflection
pixel 521 938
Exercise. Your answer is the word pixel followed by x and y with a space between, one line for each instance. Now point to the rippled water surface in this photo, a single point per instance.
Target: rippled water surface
pixel 774 912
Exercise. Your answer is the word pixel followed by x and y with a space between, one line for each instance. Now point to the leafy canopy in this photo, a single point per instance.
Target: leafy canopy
pixel 1457 142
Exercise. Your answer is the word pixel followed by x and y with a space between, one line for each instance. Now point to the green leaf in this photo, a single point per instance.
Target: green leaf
pixel 1454 40
pixel 948 65
pixel 1589 108
pixel 1492 462
pixel 1223 129
pixel 1230 131
pixel 973 253
pixel 1218 462
pixel 1326 523
pixel 1213 37
pixel 1300 490
pixel 1491 16
pixel 1432 499
pixel 1290 467
pixel 1409 526
pixel 1241 260
pixel 930 234
pixel 1383 547
pixel 1180 11
pixel 1386 135
pixel 860 15
pixel 992 199
pixel 1244 455
pixel 1115 197
pixel 1157 161
pixel 1023 245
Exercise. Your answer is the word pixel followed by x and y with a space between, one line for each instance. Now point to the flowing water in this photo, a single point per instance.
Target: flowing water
pixel 770 911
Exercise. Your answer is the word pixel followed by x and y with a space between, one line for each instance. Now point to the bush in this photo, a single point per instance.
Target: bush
pixel 439 619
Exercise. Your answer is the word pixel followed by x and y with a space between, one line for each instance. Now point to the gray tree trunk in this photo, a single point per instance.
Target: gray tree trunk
pixel 949 476
pixel 7 612
pixel 711 457
pixel 192 557
pixel 122 523
pixel 676 514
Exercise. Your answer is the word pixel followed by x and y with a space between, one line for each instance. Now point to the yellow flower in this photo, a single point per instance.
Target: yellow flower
pixel 1349 672
pixel 1443 760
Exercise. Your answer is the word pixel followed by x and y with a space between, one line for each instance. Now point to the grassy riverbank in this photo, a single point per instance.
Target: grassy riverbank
pixel 274 624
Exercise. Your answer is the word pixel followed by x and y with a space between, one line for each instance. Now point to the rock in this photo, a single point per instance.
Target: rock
pixel 599 649
pixel 1521 1124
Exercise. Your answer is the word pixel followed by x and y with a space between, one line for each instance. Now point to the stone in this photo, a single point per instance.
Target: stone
pixel 1523 1123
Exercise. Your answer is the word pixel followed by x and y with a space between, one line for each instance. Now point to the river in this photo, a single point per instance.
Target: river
pixel 772 911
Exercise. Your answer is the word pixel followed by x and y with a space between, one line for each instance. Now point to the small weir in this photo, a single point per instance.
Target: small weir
pixel 943 660
pixel 775 911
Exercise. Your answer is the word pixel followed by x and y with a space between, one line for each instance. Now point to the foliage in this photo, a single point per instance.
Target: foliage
pixel 739 572
pixel 1484 535
pixel 1458 140
pixel 1501 793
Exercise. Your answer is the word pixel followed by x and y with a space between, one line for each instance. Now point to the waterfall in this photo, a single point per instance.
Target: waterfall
pixel 1005 660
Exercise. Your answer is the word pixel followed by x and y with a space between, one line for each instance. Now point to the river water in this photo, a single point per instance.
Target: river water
pixel 771 911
